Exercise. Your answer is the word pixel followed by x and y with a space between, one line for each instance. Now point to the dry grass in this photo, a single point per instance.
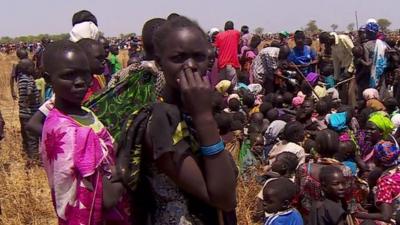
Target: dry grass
pixel 24 193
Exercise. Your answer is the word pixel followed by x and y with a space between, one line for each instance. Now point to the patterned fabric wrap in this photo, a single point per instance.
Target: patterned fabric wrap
pixel 387 153
pixel 115 104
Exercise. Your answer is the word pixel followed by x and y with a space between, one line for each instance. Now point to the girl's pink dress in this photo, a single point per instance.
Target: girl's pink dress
pixel 76 158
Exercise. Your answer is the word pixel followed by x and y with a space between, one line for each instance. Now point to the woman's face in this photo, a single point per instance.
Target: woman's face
pixel 183 47
pixel 372 133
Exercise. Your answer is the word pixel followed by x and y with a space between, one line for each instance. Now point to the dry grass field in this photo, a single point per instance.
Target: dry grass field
pixel 24 192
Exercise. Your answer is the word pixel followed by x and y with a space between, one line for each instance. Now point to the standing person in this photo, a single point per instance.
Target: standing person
pixel 246 36
pixel 21 54
pixel 302 55
pixel 375 50
pixel 84 25
pixel 77 150
pixel 113 59
pixel 342 57
pixel 37 57
pixel 227 43
pixel 184 191
pixel 28 104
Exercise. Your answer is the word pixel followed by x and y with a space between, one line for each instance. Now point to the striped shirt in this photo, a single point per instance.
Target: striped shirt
pixel 28 96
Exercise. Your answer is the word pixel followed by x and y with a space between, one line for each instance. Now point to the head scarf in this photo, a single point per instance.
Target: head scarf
pixel 233 96
pixel 333 92
pixel 371 20
pixel 255 89
pixel 387 153
pixel 396 120
pixel 344 137
pixel 223 86
pixel 84 30
pixel 298 100
pixel 382 122
pixel 312 78
pixel 370 93
pixel 275 128
pixel 284 33
pixel 213 30
pixel 338 121
pixel 372 27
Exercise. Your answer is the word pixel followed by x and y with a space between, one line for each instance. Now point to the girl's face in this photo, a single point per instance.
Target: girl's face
pixel 185 47
pixel 72 78
pixel 372 133
pixel 335 187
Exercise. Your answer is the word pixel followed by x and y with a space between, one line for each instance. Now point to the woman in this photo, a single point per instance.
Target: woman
pixel 178 182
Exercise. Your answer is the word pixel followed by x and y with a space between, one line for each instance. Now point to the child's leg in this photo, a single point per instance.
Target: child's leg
pixel 29 140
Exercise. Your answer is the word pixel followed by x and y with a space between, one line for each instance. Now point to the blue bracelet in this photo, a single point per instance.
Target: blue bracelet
pixel 212 149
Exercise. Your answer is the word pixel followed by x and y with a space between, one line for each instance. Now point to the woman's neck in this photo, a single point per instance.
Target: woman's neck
pixel 171 96
pixel 69 108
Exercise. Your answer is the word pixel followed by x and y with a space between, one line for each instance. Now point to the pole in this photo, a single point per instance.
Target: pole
pixel 356 19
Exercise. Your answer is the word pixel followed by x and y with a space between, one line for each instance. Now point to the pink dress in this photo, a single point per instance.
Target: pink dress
pixel 76 158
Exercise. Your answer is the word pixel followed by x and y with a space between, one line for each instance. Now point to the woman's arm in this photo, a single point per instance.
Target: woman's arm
pixel 212 180
pixel 384 215
pixel 35 123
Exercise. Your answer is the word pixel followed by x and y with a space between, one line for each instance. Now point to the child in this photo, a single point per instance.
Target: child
pixel 113 59
pixel 331 210
pixel 285 165
pixel 21 54
pixel 77 150
pixel 28 104
pixel 278 204
pixel 371 96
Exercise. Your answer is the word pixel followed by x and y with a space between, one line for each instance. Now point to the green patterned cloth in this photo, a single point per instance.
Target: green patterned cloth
pixel 114 105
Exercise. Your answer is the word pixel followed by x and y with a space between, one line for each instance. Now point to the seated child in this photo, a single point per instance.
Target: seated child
pixel 332 209
pixel 285 165
pixel 278 204
pixel 77 150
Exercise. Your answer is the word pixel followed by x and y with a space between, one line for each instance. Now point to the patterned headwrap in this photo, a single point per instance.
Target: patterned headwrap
pixel 338 121
pixel 312 78
pixel 223 86
pixel 372 27
pixel 384 124
pixel 344 137
pixel 387 153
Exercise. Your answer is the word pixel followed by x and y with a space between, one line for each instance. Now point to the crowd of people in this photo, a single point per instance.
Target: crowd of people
pixel 165 140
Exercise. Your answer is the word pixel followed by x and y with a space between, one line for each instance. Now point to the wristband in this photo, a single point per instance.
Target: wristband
pixel 212 149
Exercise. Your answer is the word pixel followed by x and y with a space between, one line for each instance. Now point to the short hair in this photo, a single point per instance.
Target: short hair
pixel 229 25
pixel 324 36
pixel 287 98
pixel 224 121
pixel 170 26
pixel 255 41
pixel 322 108
pixel 22 53
pixel 249 100
pixel 327 171
pixel 57 48
pixel 148 31
pixel 234 104
pixel 299 34
pixel 289 159
pixel 244 29
pixel 293 131
pixel 280 184
pixel 87 44
pixel 272 115
pixel 265 107
pixel 327 142
pixel 83 16
pixel 172 16
pixel 390 103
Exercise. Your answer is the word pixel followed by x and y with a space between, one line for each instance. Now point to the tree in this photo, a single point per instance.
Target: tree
pixel 312 27
pixel 350 27
pixel 259 31
pixel 334 27
pixel 384 23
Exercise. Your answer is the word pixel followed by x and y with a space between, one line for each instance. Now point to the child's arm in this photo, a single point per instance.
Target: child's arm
pixel 12 85
pixel 35 123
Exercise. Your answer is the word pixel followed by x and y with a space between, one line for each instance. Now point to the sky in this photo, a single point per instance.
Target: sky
pixel 32 17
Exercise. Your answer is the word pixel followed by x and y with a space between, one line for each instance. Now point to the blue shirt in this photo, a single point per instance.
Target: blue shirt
pixel 301 56
pixel 291 217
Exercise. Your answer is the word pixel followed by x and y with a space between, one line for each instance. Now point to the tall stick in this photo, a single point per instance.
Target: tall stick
pixel 304 78
pixel 356 20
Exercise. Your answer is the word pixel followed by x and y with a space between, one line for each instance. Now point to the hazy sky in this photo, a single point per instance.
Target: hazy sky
pixel 124 16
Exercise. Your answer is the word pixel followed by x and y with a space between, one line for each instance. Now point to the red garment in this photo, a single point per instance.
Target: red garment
pixel 227 43
pixel 97 85
pixel 388 187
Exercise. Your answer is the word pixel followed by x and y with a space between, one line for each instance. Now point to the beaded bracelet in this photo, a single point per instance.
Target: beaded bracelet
pixel 212 149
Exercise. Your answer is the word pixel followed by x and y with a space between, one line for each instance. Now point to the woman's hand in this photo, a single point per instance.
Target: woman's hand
pixel 195 93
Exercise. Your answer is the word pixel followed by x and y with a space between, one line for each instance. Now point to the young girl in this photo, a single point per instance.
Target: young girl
pixel 186 172
pixel 332 209
pixel 77 150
